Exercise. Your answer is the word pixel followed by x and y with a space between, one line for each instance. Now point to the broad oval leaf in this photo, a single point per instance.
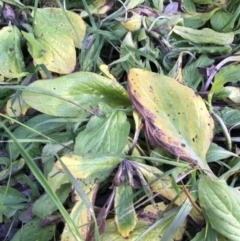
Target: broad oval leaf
pixel 175 117
pixel 34 230
pixel 105 134
pixel 58 33
pixel 74 94
pixel 45 206
pixel 221 204
pixel 11 57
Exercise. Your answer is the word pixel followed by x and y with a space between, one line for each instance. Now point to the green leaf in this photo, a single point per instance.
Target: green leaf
pixel 178 221
pixel 204 36
pixel 198 19
pixel 230 116
pixel 168 107
pixel 56 33
pixel 214 2
pixel 189 6
pixel 106 134
pixel 14 2
pixel 13 168
pixel 225 75
pixel 125 215
pixel 9 195
pixel 221 205
pixel 45 206
pixel 191 75
pixel 234 95
pixel 34 128
pixel 11 57
pixel 157 4
pixel 98 7
pixel 35 231
pixel 208 234
pixel 216 153
pixel 72 95
pixel 35 48
pixel 220 20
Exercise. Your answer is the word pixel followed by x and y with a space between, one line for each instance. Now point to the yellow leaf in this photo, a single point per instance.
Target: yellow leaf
pixel 81 216
pixel 17 108
pixel 134 23
pixel 104 68
pixel 175 117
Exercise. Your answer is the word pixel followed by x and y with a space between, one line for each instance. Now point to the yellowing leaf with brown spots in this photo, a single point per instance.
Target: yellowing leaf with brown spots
pixel 81 216
pixel 175 117
pixel 56 35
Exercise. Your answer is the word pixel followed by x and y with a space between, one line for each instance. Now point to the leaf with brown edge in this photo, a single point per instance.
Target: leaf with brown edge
pixel 175 117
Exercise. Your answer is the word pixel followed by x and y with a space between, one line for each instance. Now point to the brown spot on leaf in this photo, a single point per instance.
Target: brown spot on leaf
pixel 151 89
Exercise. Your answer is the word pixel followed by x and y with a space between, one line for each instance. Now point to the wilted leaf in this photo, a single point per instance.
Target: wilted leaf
pixel 168 107
pixel 107 134
pixel 57 33
pixel 72 95
pixel 221 205
pixel 204 36
pixel 11 57
pixel 125 215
